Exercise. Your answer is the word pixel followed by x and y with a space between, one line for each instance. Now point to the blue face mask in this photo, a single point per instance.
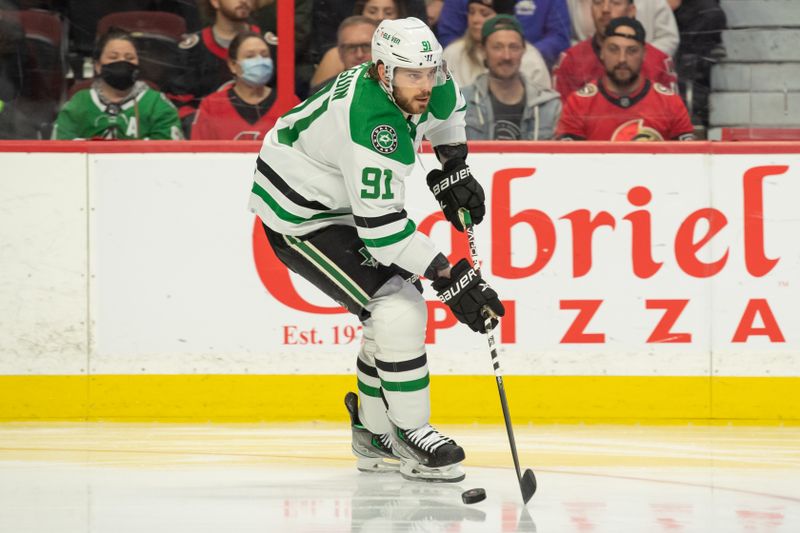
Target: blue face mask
pixel 257 70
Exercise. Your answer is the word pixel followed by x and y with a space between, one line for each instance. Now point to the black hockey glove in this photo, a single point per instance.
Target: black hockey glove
pixel 467 295
pixel 454 189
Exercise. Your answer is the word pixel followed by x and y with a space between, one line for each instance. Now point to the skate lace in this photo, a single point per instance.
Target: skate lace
pixel 428 438
pixel 386 440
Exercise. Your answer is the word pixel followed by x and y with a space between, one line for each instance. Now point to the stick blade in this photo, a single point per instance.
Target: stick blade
pixel 527 485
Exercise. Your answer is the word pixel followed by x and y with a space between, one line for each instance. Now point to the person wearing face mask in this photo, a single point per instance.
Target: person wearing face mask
pixel 117 105
pixel 243 108
pixel 204 54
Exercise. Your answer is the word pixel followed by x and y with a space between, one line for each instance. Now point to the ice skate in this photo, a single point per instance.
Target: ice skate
pixel 427 455
pixel 373 452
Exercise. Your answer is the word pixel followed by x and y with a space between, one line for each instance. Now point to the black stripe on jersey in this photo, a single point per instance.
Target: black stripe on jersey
pixel 284 188
pixel 376 222
pixel 403 366
pixel 366 369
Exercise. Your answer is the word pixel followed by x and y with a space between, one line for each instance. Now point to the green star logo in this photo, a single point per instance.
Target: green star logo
pixel 368 261
pixel 384 139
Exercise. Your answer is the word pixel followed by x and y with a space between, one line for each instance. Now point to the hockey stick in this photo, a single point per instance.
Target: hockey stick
pixel 527 481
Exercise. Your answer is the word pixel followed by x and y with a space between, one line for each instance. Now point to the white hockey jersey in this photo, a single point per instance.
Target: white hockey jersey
pixel 342 157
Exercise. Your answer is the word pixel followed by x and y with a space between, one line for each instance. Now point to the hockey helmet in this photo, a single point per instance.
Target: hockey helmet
pixel 408 43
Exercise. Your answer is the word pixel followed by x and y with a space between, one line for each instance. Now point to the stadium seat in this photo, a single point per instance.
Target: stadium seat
pixel 156 35
pixel 85 14
pixel 145 22
pixel 44 81
pixel 12 54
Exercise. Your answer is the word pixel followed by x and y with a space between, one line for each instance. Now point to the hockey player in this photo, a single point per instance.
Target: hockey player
pixel 329 189
pixel 623 105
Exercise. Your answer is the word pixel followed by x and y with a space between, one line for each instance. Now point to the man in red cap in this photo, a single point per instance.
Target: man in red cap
pixel 623 105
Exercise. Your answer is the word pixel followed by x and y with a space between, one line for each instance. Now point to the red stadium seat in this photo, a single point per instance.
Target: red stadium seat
pixel 145 23
pixel 44 83
pixel 758 134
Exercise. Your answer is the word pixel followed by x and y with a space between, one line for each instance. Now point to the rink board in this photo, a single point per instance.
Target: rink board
pixel 642 281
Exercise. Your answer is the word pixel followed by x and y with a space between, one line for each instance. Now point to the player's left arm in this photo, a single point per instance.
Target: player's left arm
pixel 454 186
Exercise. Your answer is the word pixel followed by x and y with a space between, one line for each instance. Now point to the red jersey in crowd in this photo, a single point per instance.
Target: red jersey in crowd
pixel 224 116
pixel 581 64
pixel 205 70
pixel 653 113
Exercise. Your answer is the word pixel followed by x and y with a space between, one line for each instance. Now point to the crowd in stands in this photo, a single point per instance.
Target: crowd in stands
pixel 208 69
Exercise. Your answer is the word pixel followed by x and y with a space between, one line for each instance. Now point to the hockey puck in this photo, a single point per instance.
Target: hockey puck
pixel 473 496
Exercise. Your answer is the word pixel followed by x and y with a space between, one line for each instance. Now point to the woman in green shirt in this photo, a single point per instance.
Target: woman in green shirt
pixel 117 105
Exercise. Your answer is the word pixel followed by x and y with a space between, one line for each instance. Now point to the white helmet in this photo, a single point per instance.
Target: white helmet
pixel 407 43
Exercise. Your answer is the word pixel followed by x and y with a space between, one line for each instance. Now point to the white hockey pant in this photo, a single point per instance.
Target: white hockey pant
pixel 392 363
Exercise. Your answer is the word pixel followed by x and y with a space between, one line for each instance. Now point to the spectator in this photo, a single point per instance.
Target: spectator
pixel 242 109
pixel 433 8
pixel 377 10
pixel 545 23
pixel 205 53
pixel 700 23
pixel 354 46
pixel 623 105
pixel 465 56
pixel 581 63
pixel 655 15
pixel 502 104
pixel 117 106
pixel 328 14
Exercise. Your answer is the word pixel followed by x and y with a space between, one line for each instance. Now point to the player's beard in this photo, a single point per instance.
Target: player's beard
pixel 410 104
pixel 240 13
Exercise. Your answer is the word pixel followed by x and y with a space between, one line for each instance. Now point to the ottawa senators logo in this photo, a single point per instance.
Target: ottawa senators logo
pixel 635 130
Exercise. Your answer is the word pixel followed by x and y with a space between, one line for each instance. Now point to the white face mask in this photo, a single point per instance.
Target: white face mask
pixel 257 70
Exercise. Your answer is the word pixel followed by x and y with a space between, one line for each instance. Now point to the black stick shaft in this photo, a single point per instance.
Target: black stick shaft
pixel 498 374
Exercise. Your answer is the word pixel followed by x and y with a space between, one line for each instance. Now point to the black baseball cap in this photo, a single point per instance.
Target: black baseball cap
pixel 499 6
pixel 632 23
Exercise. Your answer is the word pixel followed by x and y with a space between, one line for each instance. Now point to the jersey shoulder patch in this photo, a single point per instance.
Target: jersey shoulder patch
pixel 189 40
pixel 663 89
pixel 590 89
pixel 377 124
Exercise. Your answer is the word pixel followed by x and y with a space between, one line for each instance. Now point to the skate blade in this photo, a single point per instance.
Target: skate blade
pixel 368 464
pixel 416 472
